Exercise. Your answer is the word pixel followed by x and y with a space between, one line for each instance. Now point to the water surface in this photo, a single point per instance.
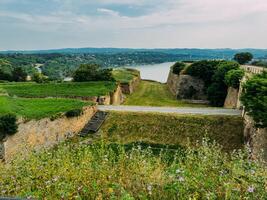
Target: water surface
pixel 156 72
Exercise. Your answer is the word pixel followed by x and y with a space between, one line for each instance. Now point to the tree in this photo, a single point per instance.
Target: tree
pixel 178 67
pixel 92 72
pixel 204 70
pixel 254 99
pixel 19 75
pixel 39 78
pixel 243 58
pixel 5 70
pixel 217 90
pixel 233 78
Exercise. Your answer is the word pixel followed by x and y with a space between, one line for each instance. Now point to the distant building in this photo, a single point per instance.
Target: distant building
pixel 68 79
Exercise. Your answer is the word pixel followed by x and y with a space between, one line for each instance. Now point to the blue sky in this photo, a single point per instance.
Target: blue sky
pixel 47 24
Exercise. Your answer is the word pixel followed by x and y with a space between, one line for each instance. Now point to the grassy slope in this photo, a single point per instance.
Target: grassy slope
pixel 75 171
pixel 124 75
pixel 38 108
pixel 154 94
pixel 88 89
pixel 173 129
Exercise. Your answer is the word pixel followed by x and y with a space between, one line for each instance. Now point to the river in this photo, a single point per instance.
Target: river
pixel 156 72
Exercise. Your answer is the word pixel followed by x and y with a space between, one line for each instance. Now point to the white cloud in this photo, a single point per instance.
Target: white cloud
pixel 108 11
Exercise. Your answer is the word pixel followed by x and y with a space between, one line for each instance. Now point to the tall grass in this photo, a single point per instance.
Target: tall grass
pixel 100 171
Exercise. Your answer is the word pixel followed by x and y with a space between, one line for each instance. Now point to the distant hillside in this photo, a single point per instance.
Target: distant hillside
pixel 193 53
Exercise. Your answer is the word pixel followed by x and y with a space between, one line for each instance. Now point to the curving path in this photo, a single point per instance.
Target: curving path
pixel 178 110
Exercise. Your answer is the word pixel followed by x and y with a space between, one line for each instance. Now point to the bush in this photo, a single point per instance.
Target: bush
pixel 92 72
pixel 74 113
pixel 254 99
pixel 233 78
pixel 8 125
pixel 217 91
pixel 178 67
pixel 203 70
pixel 39 78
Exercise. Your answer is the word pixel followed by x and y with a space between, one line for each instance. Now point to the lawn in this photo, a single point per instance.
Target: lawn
pixel 72 90
pixel 125 75
pixel 151 93
pixel 173 129
pixel 38 108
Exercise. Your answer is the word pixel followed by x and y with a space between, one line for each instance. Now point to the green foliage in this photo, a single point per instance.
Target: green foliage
pixel 172 129
pixel 217 91
pixel 203 70
pixel 243 58
pixel 74 113
pixel 8 125
pixel 67 90
pixel 92 72
pixel 260 63
pixel 233 78
pixel 19 75
pixel 39 78
pixel 101 171
pixel 178 67
pixel 39 108
pixel 254 99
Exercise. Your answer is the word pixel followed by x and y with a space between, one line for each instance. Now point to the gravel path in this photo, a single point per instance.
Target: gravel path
pixel 180 110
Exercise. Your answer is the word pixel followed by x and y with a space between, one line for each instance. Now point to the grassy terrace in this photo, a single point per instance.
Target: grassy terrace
pixel 34 90
pixel 151 93
pixel 173 129
pixel 38 108
pixel 125 75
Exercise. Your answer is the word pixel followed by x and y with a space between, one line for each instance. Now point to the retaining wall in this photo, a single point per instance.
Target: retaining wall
pixel 43 133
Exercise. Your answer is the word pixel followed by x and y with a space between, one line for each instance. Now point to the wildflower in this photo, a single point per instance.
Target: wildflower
pixel 178 171
pixel 110 190
pixel 181 179
pixel 149 188
pixel 251 189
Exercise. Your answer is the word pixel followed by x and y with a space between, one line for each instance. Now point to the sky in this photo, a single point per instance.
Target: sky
pixel 50 24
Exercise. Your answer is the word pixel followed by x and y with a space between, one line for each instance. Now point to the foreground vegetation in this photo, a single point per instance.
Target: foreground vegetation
pixel 100 171
pixel 172 129
pixel 69 90
pixel 38 108
pixel 151 93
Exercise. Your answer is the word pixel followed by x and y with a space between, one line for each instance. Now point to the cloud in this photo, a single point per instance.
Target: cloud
pixel 108 11
pixel 176 23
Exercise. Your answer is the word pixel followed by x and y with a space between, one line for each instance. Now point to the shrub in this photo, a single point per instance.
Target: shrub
pixel 254 99
pixel 8 125
pixel 178 67
pixel 203 70
pixel 39 78
pixel 74 113
pixel 217 91
pixel 233 77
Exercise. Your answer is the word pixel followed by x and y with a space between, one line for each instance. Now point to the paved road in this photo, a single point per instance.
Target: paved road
pixel 182 110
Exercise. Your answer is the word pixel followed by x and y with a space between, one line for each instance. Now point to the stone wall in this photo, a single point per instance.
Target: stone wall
pixel 44 133
pixel 186 87
pixel 256 138
pixel 129 88
pixel 116 97
pixel 232 99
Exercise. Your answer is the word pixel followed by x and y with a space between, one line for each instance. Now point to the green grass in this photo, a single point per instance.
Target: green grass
pixel 151 93
pixel 38 108
pixel 124 75
pixel 72 90
pixel 173 129
pixel 99 171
